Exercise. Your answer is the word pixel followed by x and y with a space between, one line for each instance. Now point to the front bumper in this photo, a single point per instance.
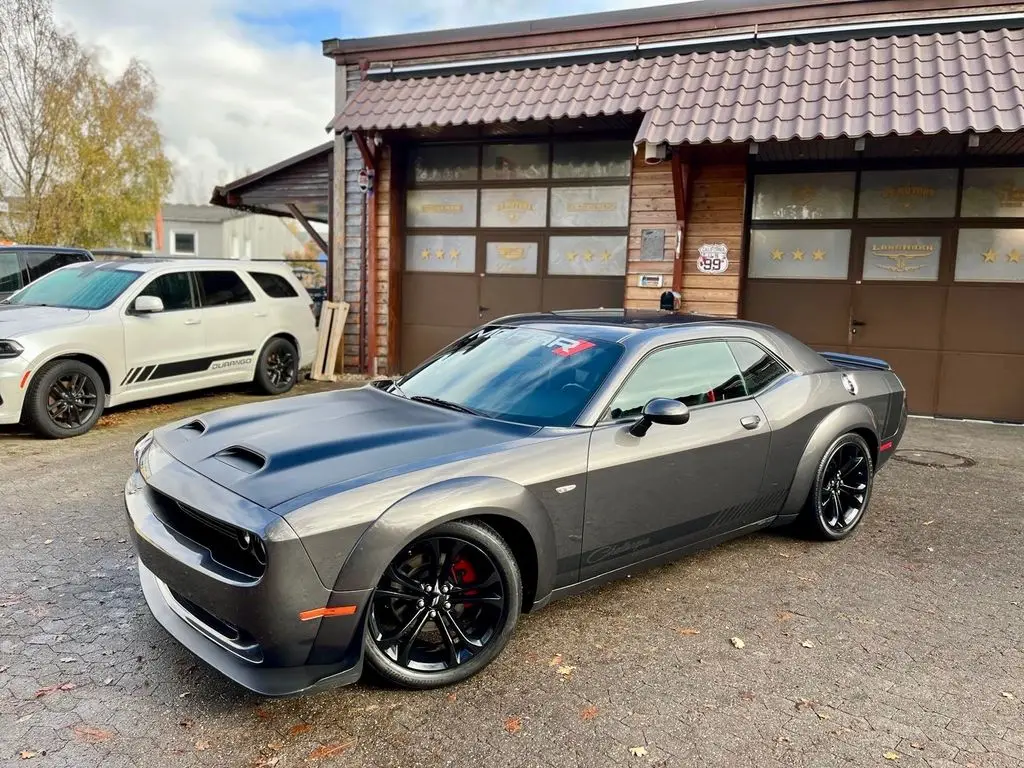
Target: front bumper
pixel 12 396
pixel 247 627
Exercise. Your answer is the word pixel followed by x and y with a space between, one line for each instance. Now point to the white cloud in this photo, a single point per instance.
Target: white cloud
pixel 241 89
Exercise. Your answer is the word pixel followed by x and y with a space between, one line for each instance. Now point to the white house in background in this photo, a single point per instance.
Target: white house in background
pixel 212 232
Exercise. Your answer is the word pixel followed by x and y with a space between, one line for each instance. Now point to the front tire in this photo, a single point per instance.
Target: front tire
pixel 445 607
pixel 277 369
pixel 64 399
pixel 841 491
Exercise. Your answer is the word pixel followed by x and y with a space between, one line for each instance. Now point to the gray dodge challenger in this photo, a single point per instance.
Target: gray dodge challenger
pixel 407 524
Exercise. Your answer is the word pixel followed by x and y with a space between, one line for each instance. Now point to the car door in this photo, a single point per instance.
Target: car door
pixel 164 351
pixel 235 322
pixel 680 484
pixel 10 273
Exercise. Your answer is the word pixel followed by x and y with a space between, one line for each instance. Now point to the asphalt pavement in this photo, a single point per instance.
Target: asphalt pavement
pixel 900 646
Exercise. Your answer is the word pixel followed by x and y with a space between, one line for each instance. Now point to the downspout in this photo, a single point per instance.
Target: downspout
pixel 370 284
pixel 681 190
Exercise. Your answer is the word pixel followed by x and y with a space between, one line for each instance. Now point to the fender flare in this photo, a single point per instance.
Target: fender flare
pixel 847 418
pixel 459 498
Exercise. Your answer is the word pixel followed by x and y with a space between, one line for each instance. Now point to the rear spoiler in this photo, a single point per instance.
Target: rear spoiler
pixel 855 362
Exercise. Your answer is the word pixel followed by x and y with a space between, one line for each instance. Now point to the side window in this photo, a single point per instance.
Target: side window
pixel 694 374
pixel 174 290
pixel 759 369
pixel 275 286
pixel 220 289
pixel 10 272
pixel 40 263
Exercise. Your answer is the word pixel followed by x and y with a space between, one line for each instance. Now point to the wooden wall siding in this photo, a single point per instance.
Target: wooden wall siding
pixel 382 195
pixel 717 206
pixel 651 206
pixel 352 253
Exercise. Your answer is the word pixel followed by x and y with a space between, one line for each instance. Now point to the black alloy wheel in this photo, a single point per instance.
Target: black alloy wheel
pixel 842 488
pixel 444 607
pixel 278 368
pixel 64 399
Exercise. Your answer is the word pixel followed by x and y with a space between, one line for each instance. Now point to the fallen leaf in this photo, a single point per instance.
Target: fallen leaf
pixel 187 722
pixel 1007 695
pixel 276 746
pixel 688 631
pixel 915 745
pixel 803 704
pixel 262 714
pixel 48 541
pixel 183 695
pixel 513 725
pixel 91 735
pixel 823 715
pixel 638 751
pixel 929 522
pixel 807 644
pixel 785 615
pixel 330 750
pixel 747 695
pixel 202 745
pixel 298 728
pixel 891 756
pixel 737 642
pixel 589 713
pixel 108 681
pixel 565 670
pixel 783 554
pixel 452 697
pixel 57 687
pixel 555 661
pixel 27 755
pixel 265 762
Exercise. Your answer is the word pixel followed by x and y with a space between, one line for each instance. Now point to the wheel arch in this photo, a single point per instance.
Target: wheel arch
pixel 82 357
pixel 852 417
pixel 510 509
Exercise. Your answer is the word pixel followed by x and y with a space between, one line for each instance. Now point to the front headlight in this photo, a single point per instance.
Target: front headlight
pixel 10 349
pixel 140 448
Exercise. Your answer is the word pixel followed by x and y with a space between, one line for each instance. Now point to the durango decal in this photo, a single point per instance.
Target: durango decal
pixel 230 363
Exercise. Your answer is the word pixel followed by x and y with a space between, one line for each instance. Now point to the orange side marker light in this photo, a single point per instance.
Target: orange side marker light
pixel 24 379
pixel 326 613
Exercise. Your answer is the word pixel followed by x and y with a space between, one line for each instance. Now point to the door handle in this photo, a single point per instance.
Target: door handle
pixel 193 322
pixel 750 422
pixel 483 309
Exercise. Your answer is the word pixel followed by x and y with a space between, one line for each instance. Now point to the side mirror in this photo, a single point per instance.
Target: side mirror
pixel 660 410
pixel 148 305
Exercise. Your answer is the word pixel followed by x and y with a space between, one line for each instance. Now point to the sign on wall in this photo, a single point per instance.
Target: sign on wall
pixel 513 207
pixel 990 255
pixel 713 258
pixel 441 208
pixel 652 245
pixel 902 258
pixel 799 254
pixel 907 194
pixel 440 253
pixel 590 206
pixel 512 258
pixel 588 255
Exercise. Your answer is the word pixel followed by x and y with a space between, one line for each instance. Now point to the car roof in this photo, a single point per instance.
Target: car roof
pixel 152 264
pixel 617 324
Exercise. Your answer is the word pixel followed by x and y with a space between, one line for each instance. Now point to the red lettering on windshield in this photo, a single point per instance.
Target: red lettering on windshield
pixel 570 347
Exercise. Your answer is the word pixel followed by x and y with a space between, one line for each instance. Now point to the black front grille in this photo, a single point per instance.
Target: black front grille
pixel 225 634
pixel 232 547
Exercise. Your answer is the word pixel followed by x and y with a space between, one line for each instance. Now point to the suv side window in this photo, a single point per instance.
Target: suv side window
pixel 760 370
pixel 219 289
pixel 694 374
pixel 39 263
pixel 10 272
pixel 275 286
pixel 173 289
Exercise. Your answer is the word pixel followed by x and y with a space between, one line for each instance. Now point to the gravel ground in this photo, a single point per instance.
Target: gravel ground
pixel 901 646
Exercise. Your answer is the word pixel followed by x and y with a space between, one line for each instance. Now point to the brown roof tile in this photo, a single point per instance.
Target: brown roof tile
pixel 922 83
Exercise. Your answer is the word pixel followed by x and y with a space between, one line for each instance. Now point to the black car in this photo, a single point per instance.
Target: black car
pixel 21 264
pixel 407 524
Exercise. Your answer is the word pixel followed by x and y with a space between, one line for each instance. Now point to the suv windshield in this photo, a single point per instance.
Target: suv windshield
pixel 525 375
pixel 90 286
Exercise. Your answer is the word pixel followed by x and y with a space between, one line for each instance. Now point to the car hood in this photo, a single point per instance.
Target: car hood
pixel 274 451
pixel 16 320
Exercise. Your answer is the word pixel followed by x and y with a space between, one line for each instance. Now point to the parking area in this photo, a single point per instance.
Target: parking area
pixel 901 646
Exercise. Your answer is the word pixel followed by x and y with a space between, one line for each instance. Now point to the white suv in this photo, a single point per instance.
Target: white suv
pixel 90 336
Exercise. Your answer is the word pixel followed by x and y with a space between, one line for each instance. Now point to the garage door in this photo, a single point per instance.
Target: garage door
pixel 934 293
pixel 497 229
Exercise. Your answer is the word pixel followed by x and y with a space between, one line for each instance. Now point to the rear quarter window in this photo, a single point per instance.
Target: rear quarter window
pixel 275 286
pixel 760 370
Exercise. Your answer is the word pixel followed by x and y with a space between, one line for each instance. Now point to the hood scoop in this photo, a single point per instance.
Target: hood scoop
pixel 193 428
pixel 241 458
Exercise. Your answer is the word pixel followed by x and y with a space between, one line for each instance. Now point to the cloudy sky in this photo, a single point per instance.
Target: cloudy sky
pixel 243 83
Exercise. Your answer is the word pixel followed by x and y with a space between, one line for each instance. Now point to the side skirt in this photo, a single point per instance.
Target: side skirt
pixel 652 562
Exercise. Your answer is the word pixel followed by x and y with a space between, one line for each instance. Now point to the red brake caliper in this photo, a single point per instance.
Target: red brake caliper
pixel 464 573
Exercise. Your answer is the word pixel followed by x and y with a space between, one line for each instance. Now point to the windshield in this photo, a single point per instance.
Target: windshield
pixel 86 287
pixel 524 375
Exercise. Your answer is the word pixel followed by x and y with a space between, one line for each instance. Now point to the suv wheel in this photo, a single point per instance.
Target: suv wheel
pixel 65 399
pixel 278 367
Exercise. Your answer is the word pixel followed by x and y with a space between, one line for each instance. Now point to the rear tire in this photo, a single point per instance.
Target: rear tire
pixel 841 491
pixel 277 368
pixel 445 607
pixel 64 399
